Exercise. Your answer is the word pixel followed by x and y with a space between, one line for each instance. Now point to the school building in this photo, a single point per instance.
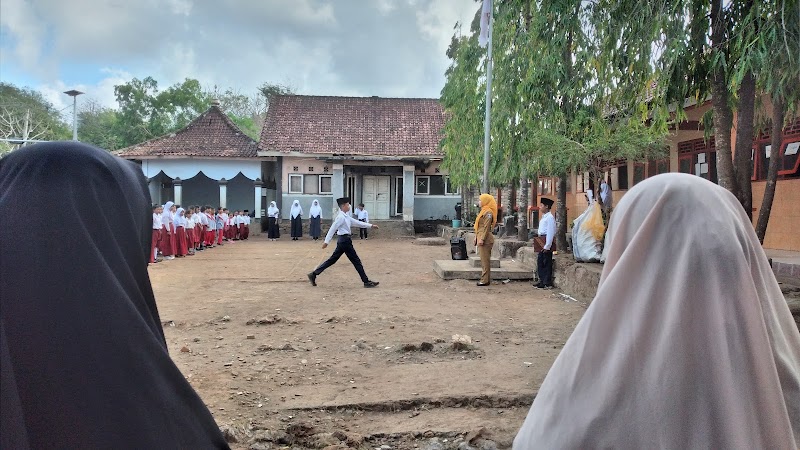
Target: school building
pixel 208 162
pixel 690 153
pixel 382 152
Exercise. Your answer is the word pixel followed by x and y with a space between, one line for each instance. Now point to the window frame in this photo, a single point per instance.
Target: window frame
pixel 427 185
pixel 298 175
pixel 330 177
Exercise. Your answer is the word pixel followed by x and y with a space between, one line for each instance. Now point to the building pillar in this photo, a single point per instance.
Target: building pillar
pixel 337 185
pixel 177 189
pixel 154 186
pixel 258 184
pixel 409 186
pixel 223 193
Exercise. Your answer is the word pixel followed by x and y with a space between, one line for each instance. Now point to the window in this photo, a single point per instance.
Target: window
pixel 639 172
pixel 437 185
pixel 579 183
pixel 698 157
pixel 325 184
pixel 618 173
pixel 310 184
pixel 423 185
pixel 545 186
pixel 657 167
pixel 295 184
pixel 451 189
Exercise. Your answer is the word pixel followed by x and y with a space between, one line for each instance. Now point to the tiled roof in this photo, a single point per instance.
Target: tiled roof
pixel 211 135
pixel 353 125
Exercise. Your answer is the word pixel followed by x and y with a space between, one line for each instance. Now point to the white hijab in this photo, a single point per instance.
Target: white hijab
pixel 167 214
pixel 180 221
pixel 316 210
pixel 296 209
pixel 272 211
pixel 689 342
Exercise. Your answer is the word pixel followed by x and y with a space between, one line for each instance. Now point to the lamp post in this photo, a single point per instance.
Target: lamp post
pixel 74 94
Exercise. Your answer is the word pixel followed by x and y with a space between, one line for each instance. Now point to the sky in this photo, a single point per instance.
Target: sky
pixel 389 48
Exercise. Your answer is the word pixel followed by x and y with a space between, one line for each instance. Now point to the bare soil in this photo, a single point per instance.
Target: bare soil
pixel 283 364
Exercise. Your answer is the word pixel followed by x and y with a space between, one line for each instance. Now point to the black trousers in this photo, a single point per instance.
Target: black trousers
pixel 362 232
pixel 344 246
pixel 544 267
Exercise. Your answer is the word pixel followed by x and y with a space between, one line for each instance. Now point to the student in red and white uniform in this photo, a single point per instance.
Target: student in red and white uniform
pixel 156 236
pixel 212 227
pixel 166 231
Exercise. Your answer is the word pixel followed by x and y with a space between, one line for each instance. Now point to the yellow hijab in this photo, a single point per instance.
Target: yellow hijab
pixel 488 205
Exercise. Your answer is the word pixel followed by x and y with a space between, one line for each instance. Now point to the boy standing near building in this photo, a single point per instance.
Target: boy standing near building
pixel 344 244
pixel 547 231
pixel 363 216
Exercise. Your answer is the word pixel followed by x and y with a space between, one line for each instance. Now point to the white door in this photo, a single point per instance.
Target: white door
pixel 376 196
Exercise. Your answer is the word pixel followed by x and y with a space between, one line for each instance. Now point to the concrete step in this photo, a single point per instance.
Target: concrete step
pixel 475 261
pixel 449 269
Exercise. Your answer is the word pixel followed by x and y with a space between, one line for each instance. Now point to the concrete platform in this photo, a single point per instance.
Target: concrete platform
pixel 475 261
pixel 449 269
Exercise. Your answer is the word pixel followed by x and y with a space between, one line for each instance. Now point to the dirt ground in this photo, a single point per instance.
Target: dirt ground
pixel 283 364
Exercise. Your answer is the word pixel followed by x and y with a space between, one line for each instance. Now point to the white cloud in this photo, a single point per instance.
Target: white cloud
pixel 341 47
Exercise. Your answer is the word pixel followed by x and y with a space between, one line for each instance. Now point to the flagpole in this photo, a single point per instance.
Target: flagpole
pixel 487 121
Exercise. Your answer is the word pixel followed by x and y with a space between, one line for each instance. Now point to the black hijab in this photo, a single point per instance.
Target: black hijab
pixel 84 360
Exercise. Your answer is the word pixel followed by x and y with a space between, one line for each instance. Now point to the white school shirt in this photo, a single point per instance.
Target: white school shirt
pixel 203 219
pixel 341 226
pixel 547 226
pixel 157 221
pixel 247 220
pixel 363 215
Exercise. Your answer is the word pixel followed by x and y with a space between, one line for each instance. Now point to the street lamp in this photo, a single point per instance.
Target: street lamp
pixel 74 94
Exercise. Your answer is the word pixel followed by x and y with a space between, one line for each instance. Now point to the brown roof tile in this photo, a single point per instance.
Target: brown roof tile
pixel 353 125
pixel 211 135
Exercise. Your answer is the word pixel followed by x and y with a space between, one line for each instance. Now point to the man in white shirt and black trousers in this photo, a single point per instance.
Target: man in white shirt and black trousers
pixel 344 243
pixel 547 232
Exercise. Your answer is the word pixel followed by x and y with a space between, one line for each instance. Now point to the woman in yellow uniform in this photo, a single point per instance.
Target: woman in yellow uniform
pixel 484 239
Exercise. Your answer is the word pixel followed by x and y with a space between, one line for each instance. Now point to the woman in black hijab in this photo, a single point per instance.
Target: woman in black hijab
pixel 84 359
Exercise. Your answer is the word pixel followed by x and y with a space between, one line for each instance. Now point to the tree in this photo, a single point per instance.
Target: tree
pixel 99 125
pixel 26 115
pixel 730 50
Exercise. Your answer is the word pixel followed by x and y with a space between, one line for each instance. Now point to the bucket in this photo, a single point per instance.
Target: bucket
pixel 456 223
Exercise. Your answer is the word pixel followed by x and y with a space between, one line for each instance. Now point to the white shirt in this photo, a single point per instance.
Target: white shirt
pixel 156 221
pixel 246 220
pixel 363 215
pixel 547 227
pixel 212 223
pixel 341 226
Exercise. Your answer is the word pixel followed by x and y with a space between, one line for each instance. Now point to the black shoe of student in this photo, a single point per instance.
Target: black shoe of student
pixel 312 277
pixel 371 284
pixel 539 286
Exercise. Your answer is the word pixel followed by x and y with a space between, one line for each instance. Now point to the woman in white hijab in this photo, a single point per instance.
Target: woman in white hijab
pixel 689 342
pixel 315 220
pixel 273 230
pixel 297 220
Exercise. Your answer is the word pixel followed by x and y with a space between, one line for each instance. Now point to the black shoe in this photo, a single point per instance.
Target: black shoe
pixel 539 286
pixel 312 277
pixel 371 284
pixel 483 284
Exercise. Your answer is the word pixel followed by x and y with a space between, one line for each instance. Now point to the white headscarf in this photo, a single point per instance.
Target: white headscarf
pixel 316 210
pixel 180 221
pixel 689 342
pixel 296 209
pixel 167 214
pixel 272 211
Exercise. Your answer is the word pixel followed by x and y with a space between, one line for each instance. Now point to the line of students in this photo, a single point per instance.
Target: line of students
pixel 181 232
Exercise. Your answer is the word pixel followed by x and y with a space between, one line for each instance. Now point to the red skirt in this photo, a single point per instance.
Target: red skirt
pixel 166 242
pixel 220 236
pixel 180 241
pixel 209 237
pixel 156 237
pixel 246 231
pixel 174 240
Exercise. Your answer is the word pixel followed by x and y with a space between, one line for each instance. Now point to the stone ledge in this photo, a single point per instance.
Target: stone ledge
pixel 578 280
pixel 449 269
pixel 475 261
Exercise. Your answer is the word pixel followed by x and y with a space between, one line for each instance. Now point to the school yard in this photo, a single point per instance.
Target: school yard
pixel 281 363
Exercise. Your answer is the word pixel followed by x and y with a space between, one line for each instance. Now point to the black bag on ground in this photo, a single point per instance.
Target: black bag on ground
pixel 458 248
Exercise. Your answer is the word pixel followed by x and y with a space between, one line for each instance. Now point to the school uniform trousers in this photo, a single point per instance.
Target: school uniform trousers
pixel 344 246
